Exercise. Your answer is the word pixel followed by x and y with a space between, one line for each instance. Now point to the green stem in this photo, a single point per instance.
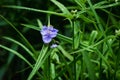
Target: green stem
pixel 74 55
pixel 117 61
pixel 100 72
pixel 96 17
pixel 49 68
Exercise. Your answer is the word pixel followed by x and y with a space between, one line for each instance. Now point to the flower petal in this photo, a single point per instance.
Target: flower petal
pixel 55 30
pixel 53 46
pixel 47 39
pixel 53 35
pixel 44 30
pixel 48 33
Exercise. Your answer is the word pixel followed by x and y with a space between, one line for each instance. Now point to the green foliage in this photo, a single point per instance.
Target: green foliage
pixel 88 41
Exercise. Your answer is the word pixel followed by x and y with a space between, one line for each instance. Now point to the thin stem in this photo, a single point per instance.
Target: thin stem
pixel 100 72
pixel 74 55
pixel 96 16
pixel 49 68
pixel 48 20
pixel 117 63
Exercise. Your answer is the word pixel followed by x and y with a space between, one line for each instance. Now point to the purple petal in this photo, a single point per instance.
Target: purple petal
pixel 48 33
pixel 53 35
pixel 53 46
pixel 44 30
pixel 55 30
pixel 47 39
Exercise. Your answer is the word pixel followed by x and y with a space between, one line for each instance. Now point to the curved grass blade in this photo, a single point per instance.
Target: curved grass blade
pixel 92 38
pixel 104 59
pixel 86 19
pixel 25 40
pixel 36 10
pixel 108 12
pixel 65 53
pixel 39 62
pixel 63 9
pixel 31 26
pixel 5 67
pixel 100 3
pixel 39 23
pixel 89 66
pixel 81 4
pixel 20 44
pixel 64 38
pixel 110 5
pixel 16 53
pixel 90 48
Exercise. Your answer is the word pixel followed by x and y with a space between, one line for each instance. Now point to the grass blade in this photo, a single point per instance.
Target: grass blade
pixel 31 26
pixel 65 53
pixel 38 63
pixel 25 40
pixel 20 44
pixel 62 8
pixel 89 66
pixel 16 53
pixel 39 23
pixel 35 10
pixel 5 67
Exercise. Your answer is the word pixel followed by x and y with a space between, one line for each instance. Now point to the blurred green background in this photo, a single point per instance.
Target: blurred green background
pixel 13 68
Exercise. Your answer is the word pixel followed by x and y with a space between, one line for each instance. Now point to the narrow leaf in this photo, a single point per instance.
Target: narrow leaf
pixel 36 10
pixel 16 53
pixel 38 63
pixel 62 8
pixel 65 53
pixel 20 44
pixel 89 66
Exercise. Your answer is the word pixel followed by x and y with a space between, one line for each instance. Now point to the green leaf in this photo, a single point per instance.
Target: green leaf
pixel 5 67
pixel 64 38
pixel 77 34
pixel 39 62
pixel 16 53
pixel 103 58
pixel 21 35
pixel 53 70
pixel 77 40
pixel 31 26
pixel 36 10
pixel 81 3
pixel 96 17
pixel 39 23
pixel 100 3
pixel 93 36
pixel 65 53
pixel 89 66
pixel 20 44
pixel 63 9
pixel 86 19
pixel 110 5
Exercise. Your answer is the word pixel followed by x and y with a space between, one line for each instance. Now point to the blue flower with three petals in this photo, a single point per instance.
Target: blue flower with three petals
pixel 48 33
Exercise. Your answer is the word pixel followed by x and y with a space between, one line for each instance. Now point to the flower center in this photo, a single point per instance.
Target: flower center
pixel 48 32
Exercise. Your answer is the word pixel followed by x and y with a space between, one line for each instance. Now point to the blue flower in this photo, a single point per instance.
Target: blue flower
pixel 48 33
pixel 53 46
